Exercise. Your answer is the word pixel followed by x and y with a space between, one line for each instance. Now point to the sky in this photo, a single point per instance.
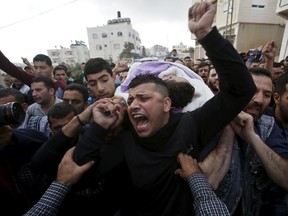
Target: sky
pixel 31 27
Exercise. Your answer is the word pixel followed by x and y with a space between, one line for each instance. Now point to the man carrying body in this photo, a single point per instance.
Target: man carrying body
pixel 151 146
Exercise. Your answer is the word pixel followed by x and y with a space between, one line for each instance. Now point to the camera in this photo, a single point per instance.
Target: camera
pixel 11 113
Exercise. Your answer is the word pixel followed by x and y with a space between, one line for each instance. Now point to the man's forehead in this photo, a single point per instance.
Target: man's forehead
pixel 97 76
pixel 145 88
pixel 72 94
pixel 40 63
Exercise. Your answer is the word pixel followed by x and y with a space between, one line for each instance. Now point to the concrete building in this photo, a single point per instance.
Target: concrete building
pixel 181 50
pixel 159 51
pixel 77 53
pixel 109 40
pixel 282 11
pixel 248 24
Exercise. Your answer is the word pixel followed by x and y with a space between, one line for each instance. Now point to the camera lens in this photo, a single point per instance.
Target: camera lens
pixel 11 113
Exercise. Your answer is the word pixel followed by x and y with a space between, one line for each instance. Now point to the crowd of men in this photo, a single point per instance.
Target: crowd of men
pixel 131 141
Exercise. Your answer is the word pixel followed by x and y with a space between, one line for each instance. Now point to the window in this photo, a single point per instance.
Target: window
pixel 258 3
pixel 119 34
pixel 116 46
pixel 94 36
pixel 129 34
pixel 104 35
pixel 98 47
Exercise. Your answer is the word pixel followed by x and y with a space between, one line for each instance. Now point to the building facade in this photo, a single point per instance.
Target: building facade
pixel 159 51
pixel 109 40
pixel 248 24
pixel 282 11
pixel 77 53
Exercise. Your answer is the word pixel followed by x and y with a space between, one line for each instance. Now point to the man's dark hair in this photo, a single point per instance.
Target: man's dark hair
pixel 187 57
pixel 80 88
pixel 161 85
pixel 180 93
pixel 19 97
pixel 280 86
pixel 60 67
pixel 60 111
pixel 48 82
pixel 96 65
pixel 43 58
pixel 260 71
pixel 203 64
pixel 168 57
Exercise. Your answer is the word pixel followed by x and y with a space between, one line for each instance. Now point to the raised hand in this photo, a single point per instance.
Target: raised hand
pixel 200 17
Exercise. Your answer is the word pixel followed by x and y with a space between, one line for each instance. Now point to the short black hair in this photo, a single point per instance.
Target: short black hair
pixel 48 82
pixel 161 85
pixel 43 58
pixel 180 93
pixel 60 67
pixel 280 85
pixel 60 111
pixel 80 88
pixel 96 65
pixel 260 71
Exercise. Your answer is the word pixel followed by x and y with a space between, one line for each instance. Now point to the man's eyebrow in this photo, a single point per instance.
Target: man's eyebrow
pixel 94 80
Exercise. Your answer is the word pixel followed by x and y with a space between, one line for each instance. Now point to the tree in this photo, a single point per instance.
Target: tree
pixel 191 51
pixel 144 52
pixel 126 53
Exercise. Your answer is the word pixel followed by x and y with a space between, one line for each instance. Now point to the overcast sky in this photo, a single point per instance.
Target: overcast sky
pixel 31 27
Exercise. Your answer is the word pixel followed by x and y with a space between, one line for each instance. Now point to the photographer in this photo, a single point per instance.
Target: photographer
pixel 16 148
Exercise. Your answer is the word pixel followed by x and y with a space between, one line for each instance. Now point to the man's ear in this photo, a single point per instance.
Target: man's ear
pixel 276 98
pixel 51 91
pixel 167 104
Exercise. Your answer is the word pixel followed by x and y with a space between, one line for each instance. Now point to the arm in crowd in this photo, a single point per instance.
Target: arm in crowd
pixel 269 51
pixel 14 71
pixel 205 200
pixel 50 153
pixel 68 174
pixel 237 86
pixel 25 61
pixel 275 165
pixel 216 164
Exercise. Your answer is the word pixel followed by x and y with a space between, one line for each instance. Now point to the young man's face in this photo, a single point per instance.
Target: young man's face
pixel 101 84
pixel 203 72
pixel 148 110
pixel 61 75
pixel 261 99
pixel 42 69
pixel 75 98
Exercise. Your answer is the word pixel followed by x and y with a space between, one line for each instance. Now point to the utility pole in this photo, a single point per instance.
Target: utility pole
pixel 230 7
